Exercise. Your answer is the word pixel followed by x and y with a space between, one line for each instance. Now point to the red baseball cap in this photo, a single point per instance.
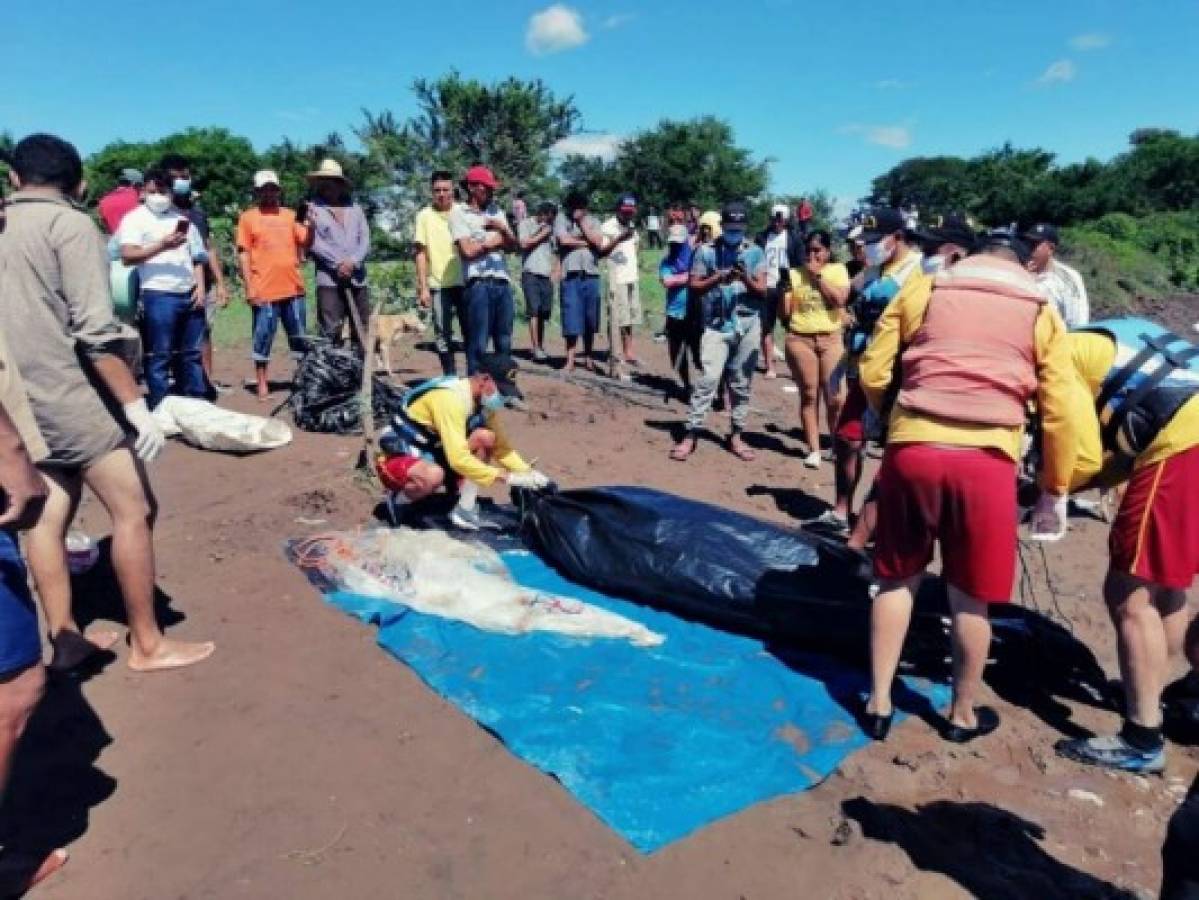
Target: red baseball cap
pixel 481 175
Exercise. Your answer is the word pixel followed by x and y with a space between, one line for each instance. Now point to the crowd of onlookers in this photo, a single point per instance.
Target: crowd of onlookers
pixel 887 342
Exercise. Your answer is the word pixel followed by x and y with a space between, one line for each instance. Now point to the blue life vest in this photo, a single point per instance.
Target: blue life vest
pixel 406 436
pixel 1154 374
pixel 871 302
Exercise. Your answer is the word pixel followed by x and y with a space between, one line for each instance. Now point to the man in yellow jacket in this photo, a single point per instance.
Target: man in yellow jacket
pixel 1140 399
pixel 451 425
pixel 974 346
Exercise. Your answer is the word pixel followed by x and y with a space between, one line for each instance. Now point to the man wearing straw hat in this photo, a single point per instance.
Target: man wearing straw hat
pixel 340 243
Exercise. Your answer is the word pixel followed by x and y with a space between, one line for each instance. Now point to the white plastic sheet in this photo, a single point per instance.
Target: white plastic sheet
pixel 209 427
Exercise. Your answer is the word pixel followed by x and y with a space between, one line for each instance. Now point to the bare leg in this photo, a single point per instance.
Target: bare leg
pixel 570 354
pixel 971 642
pixel 119 482
pixel 1143 641
pixel 626 336
pixel 848 473
pixel 890 615
pixel 46 552
pixel 863 528
pixel 260 375
pixel 768 351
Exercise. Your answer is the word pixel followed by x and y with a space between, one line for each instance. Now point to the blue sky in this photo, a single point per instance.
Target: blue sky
pixel 833 93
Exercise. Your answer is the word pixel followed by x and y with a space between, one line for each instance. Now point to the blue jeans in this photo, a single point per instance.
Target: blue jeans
pixel 174 335
pixel 266 324
pixel 490 310
pixel 20 646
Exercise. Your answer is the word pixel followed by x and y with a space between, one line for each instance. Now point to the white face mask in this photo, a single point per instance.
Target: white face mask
pixel 931 265
pixel 877 253
pixel 158 203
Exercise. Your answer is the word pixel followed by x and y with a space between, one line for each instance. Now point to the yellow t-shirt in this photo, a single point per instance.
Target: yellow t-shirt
pixel 446 412
pixel 810 313
pixel 432 231
pixel 1093 355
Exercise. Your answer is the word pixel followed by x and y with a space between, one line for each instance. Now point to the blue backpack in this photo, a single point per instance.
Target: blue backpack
pixel 1155 373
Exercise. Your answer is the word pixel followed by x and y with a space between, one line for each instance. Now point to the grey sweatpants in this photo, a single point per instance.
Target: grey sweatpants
pixel 735 352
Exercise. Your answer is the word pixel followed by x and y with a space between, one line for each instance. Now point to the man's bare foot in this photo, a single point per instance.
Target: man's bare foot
pixel 21 872
pixel 72 650
pixel 171 655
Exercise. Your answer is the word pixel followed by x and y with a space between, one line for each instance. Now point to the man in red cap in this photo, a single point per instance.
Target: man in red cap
pixel 482 236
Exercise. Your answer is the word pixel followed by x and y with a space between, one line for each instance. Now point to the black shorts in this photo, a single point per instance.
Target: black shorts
pixel 770 311
pixel 539 294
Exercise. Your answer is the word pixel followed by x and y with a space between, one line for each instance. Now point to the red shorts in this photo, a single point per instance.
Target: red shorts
pixel 963 497
pixel 393 470
pixel 1156 533
pixel 849 424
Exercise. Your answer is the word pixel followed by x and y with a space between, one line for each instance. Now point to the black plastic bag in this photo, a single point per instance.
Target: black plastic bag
pixel 711 564
pixel 325 393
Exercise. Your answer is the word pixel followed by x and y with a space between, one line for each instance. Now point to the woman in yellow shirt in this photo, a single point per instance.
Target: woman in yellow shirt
pixel 814 309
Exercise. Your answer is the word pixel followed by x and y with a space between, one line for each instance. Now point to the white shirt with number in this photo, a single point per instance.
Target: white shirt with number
pixel 776 256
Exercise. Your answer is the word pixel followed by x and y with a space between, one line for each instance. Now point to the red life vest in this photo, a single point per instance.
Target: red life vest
pixel 973 360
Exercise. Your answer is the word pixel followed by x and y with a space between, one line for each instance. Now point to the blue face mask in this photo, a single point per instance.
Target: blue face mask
pixel 733 236
pixel 181 187
pixel 493 402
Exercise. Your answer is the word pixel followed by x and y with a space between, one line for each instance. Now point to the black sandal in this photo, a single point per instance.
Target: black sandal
pixel 73 653
pixel 988 721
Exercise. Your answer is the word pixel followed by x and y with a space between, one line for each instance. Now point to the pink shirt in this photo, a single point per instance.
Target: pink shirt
pixel 115 204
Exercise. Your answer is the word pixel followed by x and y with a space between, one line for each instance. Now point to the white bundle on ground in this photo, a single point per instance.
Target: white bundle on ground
pixel 435 574
pixel 209 427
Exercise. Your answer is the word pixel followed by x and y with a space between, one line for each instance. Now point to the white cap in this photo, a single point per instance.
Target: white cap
pixel 779 209
pixel 263 177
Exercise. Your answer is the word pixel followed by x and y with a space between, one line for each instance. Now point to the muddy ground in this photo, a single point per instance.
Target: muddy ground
pixel 303 762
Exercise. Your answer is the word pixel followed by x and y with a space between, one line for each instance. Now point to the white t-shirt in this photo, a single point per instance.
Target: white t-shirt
pixel 466 222
pixel 651 222
pixel 1064 288
pixel 171 271
pixel 776 256
pixel 622 261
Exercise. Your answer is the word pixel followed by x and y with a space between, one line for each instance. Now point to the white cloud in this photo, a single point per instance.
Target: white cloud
pixel 615 21
pixel 1058 73
pixel 1090 41
pixel 555 28
pixel 602 145
pixel 897 137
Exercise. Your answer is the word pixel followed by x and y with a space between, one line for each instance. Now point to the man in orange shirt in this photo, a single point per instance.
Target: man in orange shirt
pixel 270 246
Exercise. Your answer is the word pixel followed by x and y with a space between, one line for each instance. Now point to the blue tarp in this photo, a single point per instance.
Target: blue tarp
pixel 656 742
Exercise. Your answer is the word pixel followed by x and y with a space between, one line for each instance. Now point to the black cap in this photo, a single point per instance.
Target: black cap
pixel 546 208
pixel 1042 231
pixel 951 228
pixel 502 369
pixel 878 223
pixel 1009 238
pixel 733 213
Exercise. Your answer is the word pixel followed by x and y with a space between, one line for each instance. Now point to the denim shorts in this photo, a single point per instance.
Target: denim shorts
pixel 20 647
pixel 580 305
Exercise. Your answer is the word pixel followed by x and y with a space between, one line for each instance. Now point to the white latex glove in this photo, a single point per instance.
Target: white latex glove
pixel 525 480
pixel 150 439
pixel 540 479
pixel 1049 517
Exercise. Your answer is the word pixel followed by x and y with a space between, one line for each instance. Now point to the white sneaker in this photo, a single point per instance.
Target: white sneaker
pixel 812 460
pixel 471 519
pixel 779 355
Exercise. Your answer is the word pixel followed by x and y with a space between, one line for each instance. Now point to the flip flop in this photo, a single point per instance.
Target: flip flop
pixel 176 659
pixel 988 721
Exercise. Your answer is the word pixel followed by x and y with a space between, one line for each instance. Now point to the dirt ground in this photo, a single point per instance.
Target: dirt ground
pixel 304 762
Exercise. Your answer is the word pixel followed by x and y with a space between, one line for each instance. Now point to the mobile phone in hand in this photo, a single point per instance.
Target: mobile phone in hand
pixel 181 226
pixel 301 210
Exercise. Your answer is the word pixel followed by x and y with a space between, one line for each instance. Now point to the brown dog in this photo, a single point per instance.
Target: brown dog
pixel 390 328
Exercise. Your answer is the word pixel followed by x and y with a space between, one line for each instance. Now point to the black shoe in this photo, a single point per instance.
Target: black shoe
pixel 988 721
pixel 874 726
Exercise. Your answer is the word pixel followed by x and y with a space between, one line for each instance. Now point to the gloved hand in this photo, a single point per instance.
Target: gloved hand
pixel 526 480
pixel 150 439
pixel 1049 517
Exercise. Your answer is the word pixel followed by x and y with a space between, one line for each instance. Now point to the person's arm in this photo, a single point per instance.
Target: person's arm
pixel 565 239
pixel 499 225
pixel 1056 383
pixel 834 291
pixel 894 329
pixel 699 281
pixel 23 491
pixel 422 277
pixel 536 239
pixel 468 247
pixel 755 281
pixel 199 288
pixel 601 244
pixel 449 421
pixel 670 278
pixel 134 253
pixel 505 455
pixel 317 248
pixel 244 241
